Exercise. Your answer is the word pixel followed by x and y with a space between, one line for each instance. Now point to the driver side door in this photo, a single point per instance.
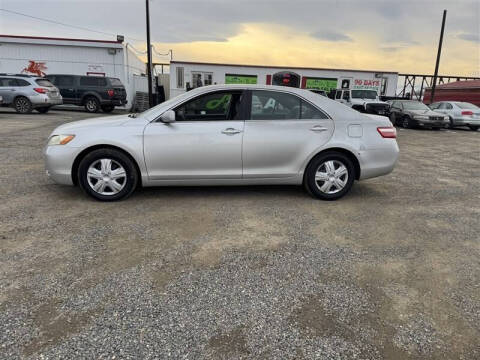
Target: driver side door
pixel 204 142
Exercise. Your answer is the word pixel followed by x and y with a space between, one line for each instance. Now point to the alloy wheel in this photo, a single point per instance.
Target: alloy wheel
pixel 106 177
pixel 22 105
pixel 331 177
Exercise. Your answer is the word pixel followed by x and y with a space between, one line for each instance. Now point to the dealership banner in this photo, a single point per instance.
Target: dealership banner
pixel 325 84
pixel 240 79
pixel 366 84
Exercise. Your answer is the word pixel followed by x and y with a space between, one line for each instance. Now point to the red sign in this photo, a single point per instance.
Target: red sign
pixel 36 68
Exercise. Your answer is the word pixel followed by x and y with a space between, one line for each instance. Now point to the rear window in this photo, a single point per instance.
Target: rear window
pixel 92 81
pixel 115 82
pixel 44 82
pixel 464 105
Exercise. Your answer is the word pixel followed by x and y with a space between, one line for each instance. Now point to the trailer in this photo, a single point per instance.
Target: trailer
pixel 465 91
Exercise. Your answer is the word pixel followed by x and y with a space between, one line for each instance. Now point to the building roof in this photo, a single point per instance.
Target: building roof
pixel 59 41
pixel 466 84
pixel 280 67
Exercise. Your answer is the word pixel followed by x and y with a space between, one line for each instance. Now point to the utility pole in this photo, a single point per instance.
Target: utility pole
pixel 435 75
pixel 149 56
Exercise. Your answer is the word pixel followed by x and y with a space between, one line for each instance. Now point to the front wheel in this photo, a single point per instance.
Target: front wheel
pixel 329 176
pixel 474 128
pixel 107 175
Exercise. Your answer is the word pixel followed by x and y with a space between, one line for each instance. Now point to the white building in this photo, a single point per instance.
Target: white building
pixel 185 75
pixel 44 55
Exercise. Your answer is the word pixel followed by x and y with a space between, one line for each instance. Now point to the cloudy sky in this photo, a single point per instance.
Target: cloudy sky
pixel 392 35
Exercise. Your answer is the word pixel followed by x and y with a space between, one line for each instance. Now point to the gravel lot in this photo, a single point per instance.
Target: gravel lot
pixel 392 271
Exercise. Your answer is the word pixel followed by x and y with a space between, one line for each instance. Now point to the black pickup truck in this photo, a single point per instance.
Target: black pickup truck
pixel 92 92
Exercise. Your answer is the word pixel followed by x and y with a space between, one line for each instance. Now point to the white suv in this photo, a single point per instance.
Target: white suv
pixel 365 101
pixel 25 93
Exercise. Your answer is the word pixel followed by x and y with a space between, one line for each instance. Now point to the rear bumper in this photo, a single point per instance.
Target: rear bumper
pixel 380 161
pixel 114 102
pixel 466 121
pixel 41 100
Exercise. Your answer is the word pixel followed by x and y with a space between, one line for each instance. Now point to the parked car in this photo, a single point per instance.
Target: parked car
pixel 365 101
pixel 25 93
pixel 411 113
pixel 459 113
pixel 92 92
pixel 225 135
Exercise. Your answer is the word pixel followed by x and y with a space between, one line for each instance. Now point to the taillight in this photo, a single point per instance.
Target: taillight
pixel 387 132
pixel 41 90
pixel 467 112
pixel 110 93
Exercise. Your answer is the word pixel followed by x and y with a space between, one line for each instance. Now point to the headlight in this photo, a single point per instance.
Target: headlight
pixel 446 118
pixel 60 139
pixel 421 117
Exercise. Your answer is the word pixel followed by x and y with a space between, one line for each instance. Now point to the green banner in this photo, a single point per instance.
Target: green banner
pixel 240 79
pixel 321 84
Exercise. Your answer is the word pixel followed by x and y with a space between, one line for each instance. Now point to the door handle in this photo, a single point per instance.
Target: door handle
pixel 318 128
pixel 231 131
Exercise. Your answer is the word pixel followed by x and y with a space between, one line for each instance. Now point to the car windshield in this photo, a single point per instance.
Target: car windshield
pixel 414 105
pixel 465 105
pixel 364 94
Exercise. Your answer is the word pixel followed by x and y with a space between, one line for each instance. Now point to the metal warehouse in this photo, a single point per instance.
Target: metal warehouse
pixel 43 55
pixel 188 75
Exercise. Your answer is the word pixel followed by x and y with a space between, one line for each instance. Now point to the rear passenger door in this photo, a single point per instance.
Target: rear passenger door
pixel 281 132
pixel 7 89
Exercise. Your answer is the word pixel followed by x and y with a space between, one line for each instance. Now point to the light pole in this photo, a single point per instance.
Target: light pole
pixel 440 42
pixel 149 56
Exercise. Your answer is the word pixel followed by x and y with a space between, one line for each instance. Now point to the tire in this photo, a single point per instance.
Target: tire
pixel 474 128
pixel 450 124
pixel 99 167
pixel 22 105
pixel 92 105
pixel 43 110
pixel 436 128
pixel 406 122
pixel 322 164
pixel 108 108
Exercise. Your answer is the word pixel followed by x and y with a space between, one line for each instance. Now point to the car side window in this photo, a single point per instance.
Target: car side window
pixel 346 95
pixel 7 82
pixel 311 112
pixel 338 95
pixel 64 81
pixel 21 82
pixel 217 106
pixel 92 81
pixel 448 106
pixel 435 106
pixel 274 105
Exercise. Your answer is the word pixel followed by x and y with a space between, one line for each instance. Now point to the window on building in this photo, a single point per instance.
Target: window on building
pixel 180 77
pixel 200 78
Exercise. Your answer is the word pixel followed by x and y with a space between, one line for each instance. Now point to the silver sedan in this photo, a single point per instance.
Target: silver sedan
pixel 460 113
pixel 225 135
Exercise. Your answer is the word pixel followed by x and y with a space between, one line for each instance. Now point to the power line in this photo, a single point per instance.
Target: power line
pixel 63 24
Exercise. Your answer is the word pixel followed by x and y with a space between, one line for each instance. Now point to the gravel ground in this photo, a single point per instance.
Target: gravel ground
pixel 392 271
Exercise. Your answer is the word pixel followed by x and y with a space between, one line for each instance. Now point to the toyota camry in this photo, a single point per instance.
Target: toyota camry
pixel 225 135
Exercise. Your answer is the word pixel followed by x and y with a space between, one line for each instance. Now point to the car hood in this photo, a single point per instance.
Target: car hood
pixel 424 112
pixel 104 121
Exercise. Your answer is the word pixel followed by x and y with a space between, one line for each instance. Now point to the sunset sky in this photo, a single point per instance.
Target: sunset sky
pixel 381 35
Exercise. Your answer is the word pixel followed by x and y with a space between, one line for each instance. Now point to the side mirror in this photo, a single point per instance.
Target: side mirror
pixel 168 117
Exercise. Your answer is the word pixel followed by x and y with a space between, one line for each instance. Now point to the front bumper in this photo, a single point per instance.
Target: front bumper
pixel 59 163
pixel 431 123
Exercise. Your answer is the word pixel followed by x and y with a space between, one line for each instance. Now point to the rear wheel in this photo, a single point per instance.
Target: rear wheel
pixel 474 128
pixel 92 105
pixel 22 105
pixel 43 110
pixel 329 176
pixel 108 108
pixel 107 175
